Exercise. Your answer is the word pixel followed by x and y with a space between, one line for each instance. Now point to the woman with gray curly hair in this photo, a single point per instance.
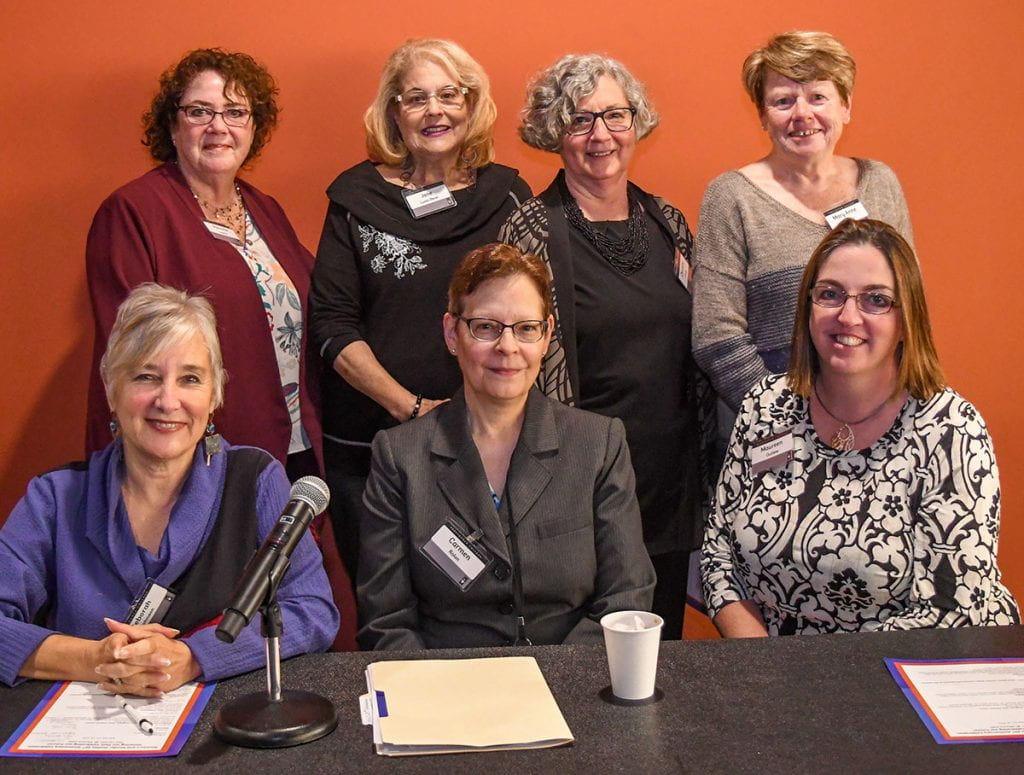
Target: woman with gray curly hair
pixel 620 259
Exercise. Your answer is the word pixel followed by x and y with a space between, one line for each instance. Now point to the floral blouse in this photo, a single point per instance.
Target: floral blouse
pixel 283 309
pixel 900 535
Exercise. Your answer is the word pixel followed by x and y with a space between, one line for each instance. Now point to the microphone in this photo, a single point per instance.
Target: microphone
pixel 308 498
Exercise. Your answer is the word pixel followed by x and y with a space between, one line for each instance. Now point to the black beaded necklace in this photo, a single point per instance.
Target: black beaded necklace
pixel 627 255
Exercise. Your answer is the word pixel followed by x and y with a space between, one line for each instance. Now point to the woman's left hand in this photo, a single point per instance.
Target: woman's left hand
pixel 148 663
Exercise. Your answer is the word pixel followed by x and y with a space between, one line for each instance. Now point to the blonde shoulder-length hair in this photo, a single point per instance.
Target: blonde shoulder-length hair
pixel 383 140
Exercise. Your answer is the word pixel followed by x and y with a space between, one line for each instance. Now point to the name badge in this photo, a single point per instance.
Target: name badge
pixel 683 269
pixel 456 556
pixel 429 200
pixel 853 209
pixel 222 232
pixel 774 452
pixel 150 605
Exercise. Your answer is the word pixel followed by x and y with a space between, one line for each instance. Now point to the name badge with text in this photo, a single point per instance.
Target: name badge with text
pixel 150 605
pixel 456 556
pixel 684 271
pixel 774 452
pixel 853 209
pixel 429 200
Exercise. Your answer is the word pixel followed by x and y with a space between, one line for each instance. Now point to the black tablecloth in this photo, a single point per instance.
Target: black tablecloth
pixel 800 704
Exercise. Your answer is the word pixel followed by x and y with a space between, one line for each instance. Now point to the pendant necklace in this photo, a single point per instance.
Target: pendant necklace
pixel 232 215
pixel 843 440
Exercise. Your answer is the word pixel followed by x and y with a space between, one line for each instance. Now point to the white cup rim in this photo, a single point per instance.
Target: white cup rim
pixel 656 622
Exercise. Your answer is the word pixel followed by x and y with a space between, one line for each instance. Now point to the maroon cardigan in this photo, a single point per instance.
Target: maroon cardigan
pixel 152 230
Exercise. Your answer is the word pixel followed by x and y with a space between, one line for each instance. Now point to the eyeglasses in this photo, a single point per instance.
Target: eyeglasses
pixel 615 120
pixel 871 302
pixel 415 100
pixel 200 115
pixel 487 330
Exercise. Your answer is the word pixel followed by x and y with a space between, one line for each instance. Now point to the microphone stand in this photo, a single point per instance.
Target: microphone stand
pixel 280 718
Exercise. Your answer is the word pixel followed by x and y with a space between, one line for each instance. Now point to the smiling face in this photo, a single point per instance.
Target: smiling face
pixel 215 149
pixel 504 370
pixel 850 342
pixel 803 119
pixel 164 404
pixel 435 132
pixel 600 155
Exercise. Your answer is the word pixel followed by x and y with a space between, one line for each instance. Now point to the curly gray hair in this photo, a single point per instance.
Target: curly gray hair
pixel 554 93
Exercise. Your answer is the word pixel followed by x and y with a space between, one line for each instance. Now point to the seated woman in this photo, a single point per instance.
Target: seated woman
pixel 859 492
pixel 157 504
pixel 502 517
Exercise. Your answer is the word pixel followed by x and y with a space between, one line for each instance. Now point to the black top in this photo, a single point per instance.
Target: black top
pixel 633 349
pixel 382 276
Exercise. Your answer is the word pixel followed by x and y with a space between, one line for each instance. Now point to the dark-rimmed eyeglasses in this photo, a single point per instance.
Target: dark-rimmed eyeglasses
pixel 487 330
pixel 415 100
pixel 871 302
pixel 615 120
pixel 200 115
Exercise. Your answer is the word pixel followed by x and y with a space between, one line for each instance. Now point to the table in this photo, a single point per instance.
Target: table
pixel 786 705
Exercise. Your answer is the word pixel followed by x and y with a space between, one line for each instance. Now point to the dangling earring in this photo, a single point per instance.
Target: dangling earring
pixel 115 426
pixel 211 443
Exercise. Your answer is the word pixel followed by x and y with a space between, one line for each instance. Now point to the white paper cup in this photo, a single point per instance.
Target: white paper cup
pixel 632 653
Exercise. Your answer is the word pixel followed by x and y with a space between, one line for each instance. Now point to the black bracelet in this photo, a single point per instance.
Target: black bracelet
pixel 416 409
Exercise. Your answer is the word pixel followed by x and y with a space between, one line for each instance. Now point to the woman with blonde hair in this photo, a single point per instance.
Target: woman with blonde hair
pixel 396 227
pixel 167 506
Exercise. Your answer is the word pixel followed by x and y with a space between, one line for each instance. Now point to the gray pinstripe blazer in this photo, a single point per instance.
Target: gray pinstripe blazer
pixel 581 551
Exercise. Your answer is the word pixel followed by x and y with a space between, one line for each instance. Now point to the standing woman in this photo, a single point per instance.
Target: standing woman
pixel 396 227
pixel 759 224
pixel 192 223
pixel 620 260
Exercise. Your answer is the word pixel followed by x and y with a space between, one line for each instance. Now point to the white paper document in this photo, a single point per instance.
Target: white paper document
pixel 78 718
pixel 965 700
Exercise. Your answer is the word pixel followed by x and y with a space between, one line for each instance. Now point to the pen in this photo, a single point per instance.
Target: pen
pixel 143 724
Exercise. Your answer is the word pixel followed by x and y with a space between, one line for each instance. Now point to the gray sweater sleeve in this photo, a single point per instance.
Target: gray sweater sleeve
pixel 750 256
pixel 723 345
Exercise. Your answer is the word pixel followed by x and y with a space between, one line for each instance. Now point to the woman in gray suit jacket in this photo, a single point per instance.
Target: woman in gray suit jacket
pixel 502 517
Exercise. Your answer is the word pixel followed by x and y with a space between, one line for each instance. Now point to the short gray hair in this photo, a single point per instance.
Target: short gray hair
pixel 151 319
pixel 554 93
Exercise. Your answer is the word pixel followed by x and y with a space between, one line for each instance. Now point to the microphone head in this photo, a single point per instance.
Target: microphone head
pixel 312 490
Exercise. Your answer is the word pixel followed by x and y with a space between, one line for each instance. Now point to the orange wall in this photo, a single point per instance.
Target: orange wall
pixel 939 99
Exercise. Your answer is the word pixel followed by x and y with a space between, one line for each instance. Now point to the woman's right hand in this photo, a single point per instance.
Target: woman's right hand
pixel 143 660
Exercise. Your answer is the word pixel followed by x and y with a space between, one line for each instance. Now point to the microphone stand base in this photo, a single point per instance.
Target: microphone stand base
pixel 255 721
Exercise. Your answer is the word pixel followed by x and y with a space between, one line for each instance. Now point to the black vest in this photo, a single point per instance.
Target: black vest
pixel 205 588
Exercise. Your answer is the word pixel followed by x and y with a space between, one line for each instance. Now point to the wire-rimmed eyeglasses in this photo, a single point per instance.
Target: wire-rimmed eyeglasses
pixel 415 100
pixel 200 115
pixel 487 330
pixel 871 302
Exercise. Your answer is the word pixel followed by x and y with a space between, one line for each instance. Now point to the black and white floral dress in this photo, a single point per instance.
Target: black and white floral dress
pixel 900 535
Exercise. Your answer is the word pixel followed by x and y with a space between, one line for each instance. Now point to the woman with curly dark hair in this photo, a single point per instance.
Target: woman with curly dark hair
pixel 193 224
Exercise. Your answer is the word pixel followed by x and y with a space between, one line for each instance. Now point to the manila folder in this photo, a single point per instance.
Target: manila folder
pixel 462 705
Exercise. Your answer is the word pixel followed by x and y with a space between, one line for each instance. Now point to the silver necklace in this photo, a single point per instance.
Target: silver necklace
pixel 843 440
